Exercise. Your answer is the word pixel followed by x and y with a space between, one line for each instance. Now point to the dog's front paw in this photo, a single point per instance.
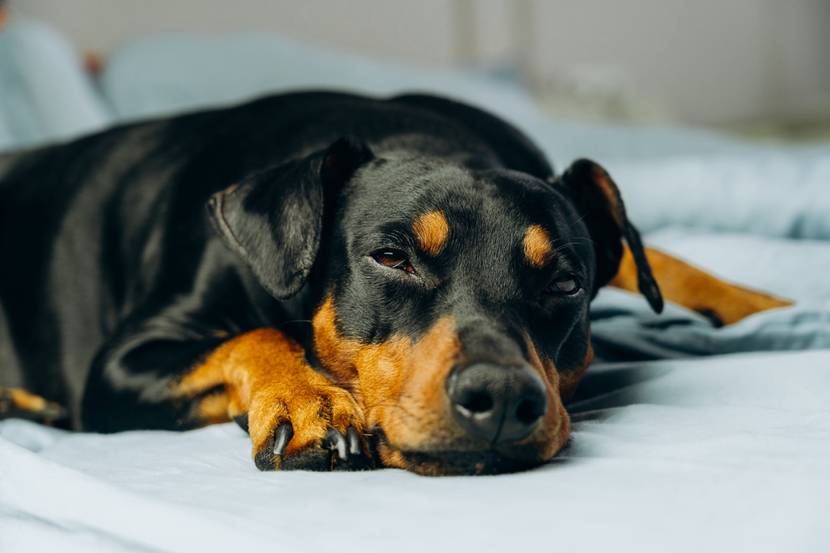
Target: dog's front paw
pixel 308 427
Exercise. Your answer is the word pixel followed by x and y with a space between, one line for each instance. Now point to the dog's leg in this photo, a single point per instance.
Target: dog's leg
pixel 696 289
pixel 18 403
pixel 161 375
pixel 297 418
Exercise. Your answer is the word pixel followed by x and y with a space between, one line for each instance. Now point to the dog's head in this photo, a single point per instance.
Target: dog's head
pixel 453 302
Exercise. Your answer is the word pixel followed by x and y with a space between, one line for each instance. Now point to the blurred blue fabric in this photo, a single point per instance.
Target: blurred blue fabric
pixel 170 73
pixel 44 93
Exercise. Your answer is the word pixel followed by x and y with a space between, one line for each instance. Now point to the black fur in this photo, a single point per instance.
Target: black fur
pixel 116 278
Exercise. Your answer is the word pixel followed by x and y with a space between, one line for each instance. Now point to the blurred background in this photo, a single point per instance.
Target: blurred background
pixel 742 64
pixel 756 67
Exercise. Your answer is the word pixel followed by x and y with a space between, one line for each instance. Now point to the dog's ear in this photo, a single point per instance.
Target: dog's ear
pixel 274 219
pixel 598 202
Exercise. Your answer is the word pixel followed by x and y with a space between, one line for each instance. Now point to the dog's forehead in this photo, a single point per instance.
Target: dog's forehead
pixel 435 198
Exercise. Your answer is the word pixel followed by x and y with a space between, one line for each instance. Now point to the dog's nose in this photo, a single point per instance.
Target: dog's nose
pixel 495 403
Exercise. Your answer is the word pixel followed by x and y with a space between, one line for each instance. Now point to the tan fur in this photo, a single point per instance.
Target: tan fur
pixel 401 386
pixel 569 381
pixel 432 231
pixel 25 401
pixel 265 374
pixel 695 289
pixel 537 246
pixel 17 402
pixel 214 408
pixel 608 189
pixel 400 383
pixel 556 426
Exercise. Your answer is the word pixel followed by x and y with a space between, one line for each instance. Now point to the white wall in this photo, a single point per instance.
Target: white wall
pixel 800 57
pixel 707 60
pixel 700 61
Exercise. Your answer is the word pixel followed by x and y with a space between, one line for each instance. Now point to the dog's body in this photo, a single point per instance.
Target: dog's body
pixel 126 301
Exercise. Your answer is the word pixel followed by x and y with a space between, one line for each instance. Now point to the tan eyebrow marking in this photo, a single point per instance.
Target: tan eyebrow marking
pixel 432 231
pixel 537 246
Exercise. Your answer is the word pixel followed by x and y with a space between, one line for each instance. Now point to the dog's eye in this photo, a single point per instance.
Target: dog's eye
pixel 394 259
pixel 565 285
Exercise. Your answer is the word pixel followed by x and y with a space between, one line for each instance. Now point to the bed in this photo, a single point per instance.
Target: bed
pixel 687 437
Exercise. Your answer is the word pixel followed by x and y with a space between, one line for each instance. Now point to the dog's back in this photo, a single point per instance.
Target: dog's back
pixel 79 229
pixel 49 287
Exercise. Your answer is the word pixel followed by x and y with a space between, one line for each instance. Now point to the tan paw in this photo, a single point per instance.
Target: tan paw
pixel 307 427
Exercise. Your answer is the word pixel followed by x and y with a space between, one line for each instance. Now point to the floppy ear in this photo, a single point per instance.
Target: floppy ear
pixel 274 219
pixel 597 199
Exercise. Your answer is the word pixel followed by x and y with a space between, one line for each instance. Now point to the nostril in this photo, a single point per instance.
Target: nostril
pixel 497 404
pixel 529 410
pixel 479 401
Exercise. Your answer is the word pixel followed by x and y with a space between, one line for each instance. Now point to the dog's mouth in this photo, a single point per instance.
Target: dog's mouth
pixel 456 462
pixel 459 463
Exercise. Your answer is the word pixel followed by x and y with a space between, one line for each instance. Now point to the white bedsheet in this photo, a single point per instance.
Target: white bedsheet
pixel 729 453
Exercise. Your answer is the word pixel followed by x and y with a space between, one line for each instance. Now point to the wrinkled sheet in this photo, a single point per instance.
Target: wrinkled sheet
pixel 727 453
pixel 693 445
pixel 623 326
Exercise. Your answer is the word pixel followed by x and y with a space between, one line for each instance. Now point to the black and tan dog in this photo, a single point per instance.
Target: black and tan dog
pixel 400 281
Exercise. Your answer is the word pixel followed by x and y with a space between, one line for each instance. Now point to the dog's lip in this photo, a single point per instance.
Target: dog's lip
pixel 463 460
pixel 460 462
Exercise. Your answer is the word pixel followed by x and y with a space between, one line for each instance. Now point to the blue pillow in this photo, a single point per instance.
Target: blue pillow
pixel 181 72
pixel 45 94
pixel 176 72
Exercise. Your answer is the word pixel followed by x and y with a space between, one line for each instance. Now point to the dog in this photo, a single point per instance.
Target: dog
pixel 357 282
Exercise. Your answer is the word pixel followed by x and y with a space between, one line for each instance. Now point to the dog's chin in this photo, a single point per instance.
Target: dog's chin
pixel 459 462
